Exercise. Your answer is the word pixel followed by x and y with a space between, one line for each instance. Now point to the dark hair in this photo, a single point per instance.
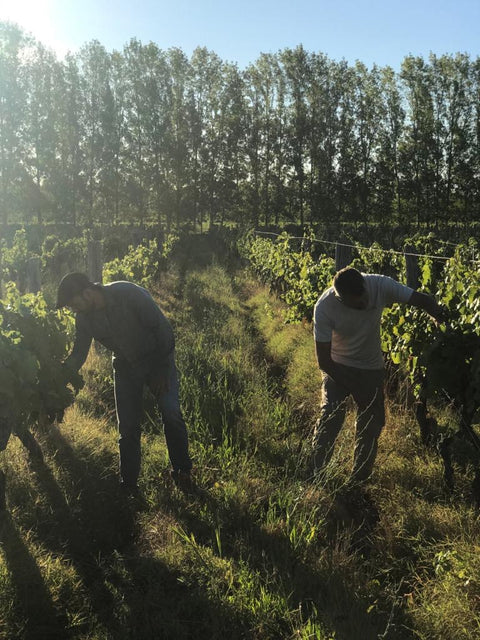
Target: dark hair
pixel 71 285
pixel 349 281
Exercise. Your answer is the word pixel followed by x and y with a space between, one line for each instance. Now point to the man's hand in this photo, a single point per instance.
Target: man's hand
pixel 438 312
pixel 328 366
pixel 442 316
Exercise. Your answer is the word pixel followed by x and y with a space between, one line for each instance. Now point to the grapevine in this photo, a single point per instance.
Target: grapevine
pixel 34 383
pixel 294 275
pixel 141 264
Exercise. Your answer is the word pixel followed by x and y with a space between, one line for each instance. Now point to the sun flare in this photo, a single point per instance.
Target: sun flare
pixel 38 17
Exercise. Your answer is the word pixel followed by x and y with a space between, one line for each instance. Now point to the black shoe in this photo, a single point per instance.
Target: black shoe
pixel 133 497
pixel 129 490
pixel 183 480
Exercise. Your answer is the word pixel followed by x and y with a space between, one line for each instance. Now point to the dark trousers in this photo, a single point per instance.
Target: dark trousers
pixel 129 404
pixel 366 388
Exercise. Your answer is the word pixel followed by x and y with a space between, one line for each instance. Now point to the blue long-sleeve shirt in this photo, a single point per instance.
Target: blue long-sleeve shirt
pixel 131 325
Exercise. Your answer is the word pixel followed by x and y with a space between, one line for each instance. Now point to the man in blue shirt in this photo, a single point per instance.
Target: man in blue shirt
pixel 124 318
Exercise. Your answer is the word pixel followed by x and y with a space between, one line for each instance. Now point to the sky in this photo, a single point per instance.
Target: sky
pixel 375 31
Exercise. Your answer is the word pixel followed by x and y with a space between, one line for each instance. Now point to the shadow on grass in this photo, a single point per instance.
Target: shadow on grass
pixel 164 605
pixel 327 593
pixel 33 603
pixel 81 528
pixel 125 594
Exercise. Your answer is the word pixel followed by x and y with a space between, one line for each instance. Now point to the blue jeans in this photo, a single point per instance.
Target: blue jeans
pixel 129 389
pixel 366 388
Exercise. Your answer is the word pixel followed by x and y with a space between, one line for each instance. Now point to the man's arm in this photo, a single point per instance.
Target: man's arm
pixel 81 346
pixel 428 304
pixel 329 366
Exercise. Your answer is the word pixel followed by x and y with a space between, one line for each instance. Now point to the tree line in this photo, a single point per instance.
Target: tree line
pixel 150 135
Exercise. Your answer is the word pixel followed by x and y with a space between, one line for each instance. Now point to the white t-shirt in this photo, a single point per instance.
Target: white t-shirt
pixel 355 333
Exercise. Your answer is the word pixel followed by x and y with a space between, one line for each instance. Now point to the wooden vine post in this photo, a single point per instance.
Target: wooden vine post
pixel 343 256
pixel 34 275
pixel 413 270
pixel 95 260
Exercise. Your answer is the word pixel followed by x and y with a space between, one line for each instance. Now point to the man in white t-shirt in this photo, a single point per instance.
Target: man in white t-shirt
pixel 347 320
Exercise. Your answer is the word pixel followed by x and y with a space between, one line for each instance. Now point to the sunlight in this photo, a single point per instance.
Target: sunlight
pixel 38 17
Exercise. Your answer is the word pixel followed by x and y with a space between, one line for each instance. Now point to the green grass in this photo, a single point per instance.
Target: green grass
pixel 262 551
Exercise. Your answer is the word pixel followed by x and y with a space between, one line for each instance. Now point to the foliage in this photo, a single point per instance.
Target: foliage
pixel 15 259
pixel 141 264
pixel 62 256
pixel 452 370
pixel 294 275
pixel 33 344
pixel 151 135
pixel 410 337
pixel 376 259
pixel 57 256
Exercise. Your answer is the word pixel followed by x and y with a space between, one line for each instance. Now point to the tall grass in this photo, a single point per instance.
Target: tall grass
pixel 262 550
